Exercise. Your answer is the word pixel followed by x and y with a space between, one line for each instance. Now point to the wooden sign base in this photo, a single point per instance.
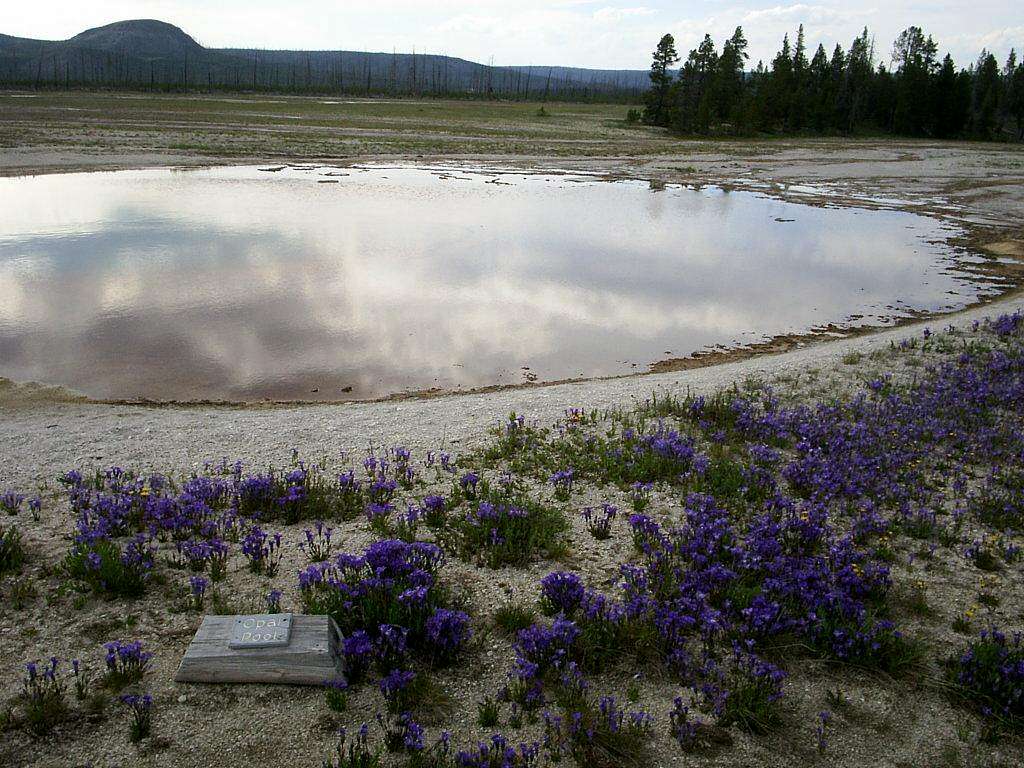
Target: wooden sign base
pixel 310 657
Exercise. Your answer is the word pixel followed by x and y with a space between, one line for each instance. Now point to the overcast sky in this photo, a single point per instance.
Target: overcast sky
pixel 587 33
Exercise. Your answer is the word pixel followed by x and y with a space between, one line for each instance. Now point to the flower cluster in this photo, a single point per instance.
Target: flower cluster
pixel 201 554
pixel 434 511
pixel 600 523
pixel 640 495
pixel 317 544
pixel 388 602
pixel 1000 504
pixel 396 687
pixel 140 709
pixel 543 649
pixel 405 735
pixel 354 752
pixel 820 741
pixel 197 586
pixel 262 550
pixel 11 501
pixel 273 601
pixel 337 693
pixel 990 673
pixel 42 696
pixel 561 592
pixel 43 693
pixel 447 634
pixel 107 566
pixel 358 651
pixel 598 733
pixel 683 728
pixel 126 662
pixel 499 752
pixel 563 482
pixel 120 516
pixel 504 526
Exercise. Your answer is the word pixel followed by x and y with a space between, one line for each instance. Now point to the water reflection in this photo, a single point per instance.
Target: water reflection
pixel 243 283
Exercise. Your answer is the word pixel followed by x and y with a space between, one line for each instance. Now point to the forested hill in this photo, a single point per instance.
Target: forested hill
pixel 154 54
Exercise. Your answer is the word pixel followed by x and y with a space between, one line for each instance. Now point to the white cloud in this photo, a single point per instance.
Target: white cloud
pixel 996 40
pixel 596 33
pixel 789 12
pixel 614 15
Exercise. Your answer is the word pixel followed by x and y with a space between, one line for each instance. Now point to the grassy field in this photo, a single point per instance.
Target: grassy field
pixel 240 126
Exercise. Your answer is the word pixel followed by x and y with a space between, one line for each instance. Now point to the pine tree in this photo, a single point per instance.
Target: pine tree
pixel 949 107
pixel 706 65
pixel 728 80
pixel 797 108
pixel 882 99
pixel 1015 96
pixel 914 57
pixel 664 56
pixel 779 89
pixel 986 96
pixel 841 103
pixel 820 92
pixel 859 74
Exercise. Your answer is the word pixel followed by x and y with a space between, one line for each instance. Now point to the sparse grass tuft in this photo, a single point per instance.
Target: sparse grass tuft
pixel 513 616
pixel 12 552
pixel 488 712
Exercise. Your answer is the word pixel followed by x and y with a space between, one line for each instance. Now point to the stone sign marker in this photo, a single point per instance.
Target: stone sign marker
pixel 263 631
pixel 270 648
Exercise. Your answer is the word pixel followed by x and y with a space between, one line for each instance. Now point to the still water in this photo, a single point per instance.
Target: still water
pixel 332 283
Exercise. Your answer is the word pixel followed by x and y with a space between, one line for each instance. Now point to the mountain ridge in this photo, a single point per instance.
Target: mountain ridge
pixel 155 53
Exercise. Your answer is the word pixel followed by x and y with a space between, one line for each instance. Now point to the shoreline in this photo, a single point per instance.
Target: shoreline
pixel 13 393
pixel 1002 247
pixel 50 437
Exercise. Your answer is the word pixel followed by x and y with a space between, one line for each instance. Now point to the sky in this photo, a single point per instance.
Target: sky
pixel 584 33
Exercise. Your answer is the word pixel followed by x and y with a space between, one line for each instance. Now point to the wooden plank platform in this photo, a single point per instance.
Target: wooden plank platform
pixel 311 656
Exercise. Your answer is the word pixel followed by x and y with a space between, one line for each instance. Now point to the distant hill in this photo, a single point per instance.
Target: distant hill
pixel 145 38
pixel 147 53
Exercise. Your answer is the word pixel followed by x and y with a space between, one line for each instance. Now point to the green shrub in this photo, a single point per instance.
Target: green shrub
pixel 514 616
pixel 12 553
pixel 504 526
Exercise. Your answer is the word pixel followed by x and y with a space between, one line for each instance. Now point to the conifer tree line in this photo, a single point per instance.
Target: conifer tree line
pixel 911 93
pixel 56 65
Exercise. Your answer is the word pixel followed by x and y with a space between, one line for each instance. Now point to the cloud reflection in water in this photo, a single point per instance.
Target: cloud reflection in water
pixel 241 284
